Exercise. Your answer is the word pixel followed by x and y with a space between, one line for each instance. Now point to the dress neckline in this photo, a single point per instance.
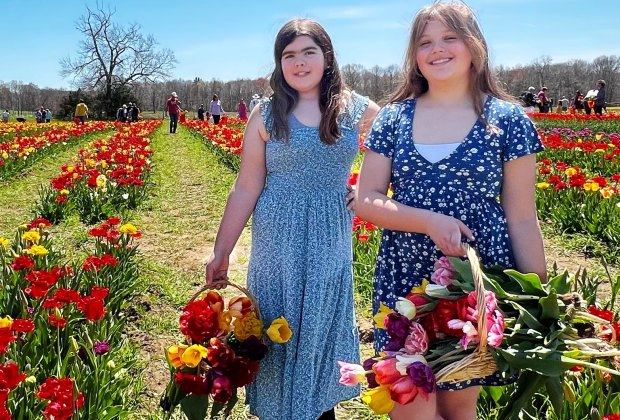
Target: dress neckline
pixel 466 140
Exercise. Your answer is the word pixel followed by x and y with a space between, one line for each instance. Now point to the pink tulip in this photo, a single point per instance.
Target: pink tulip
pixel 417 340
pixel 386 372
pixel 351 374
pixel 403 391
pixel 496 329
pixel 442 277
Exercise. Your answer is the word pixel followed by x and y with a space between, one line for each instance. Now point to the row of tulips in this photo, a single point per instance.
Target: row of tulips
pixel 107 177
pixel 62 354
pixel 608 122
pixel 224 138
pixel 10 130
pixel 20 152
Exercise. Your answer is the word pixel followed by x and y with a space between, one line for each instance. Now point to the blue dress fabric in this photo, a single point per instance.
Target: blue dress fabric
pixel 301 268
pixel 465 185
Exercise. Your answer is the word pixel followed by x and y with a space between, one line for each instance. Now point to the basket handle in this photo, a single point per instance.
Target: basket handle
pixel 226 283
pixel 476 271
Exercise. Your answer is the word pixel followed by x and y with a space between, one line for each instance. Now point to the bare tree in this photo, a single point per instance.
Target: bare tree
pixel 542 67
pixel 111 55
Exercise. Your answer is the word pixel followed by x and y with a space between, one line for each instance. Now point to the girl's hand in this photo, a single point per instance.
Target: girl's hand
pixel 351 197
pixel 216 271
pixel 447 233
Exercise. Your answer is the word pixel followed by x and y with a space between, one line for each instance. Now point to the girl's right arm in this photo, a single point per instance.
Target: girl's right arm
pixel 375 206
pixel 242 198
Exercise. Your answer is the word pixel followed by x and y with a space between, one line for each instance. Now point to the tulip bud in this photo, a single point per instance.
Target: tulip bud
pixel 111 365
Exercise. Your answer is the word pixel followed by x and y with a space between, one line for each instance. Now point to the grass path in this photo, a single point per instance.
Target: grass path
pixel 179 225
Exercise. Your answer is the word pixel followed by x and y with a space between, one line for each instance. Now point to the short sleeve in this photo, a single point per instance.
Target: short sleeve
pixel 381 138
pixel 266 113
pixel 521 137
pixel 359 104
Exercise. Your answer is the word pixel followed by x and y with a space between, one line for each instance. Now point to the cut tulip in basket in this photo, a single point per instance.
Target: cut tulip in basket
pixel 471 322
pixel 220 353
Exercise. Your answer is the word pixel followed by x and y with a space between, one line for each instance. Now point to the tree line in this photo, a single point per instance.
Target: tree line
pixel 562 79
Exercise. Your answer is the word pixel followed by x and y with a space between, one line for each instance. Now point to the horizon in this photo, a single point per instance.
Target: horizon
pixel 205 46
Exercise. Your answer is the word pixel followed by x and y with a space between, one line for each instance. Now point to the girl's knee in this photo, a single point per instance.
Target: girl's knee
pixel 458 405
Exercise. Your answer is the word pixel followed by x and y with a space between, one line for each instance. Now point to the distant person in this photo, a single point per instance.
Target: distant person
pixel 121 113
pixel 578 101
pixel 255 100
pixel 599 100
pixel 542 100
pixel 564 102
pixel 135 113
pixel 242 110
pixel 173 106
pixel 215 109
pixel 37 116
pixel 5 116
pixel 588 101
pixel 201 112
pixel 529 99
pixel 81 111
pixel 48 115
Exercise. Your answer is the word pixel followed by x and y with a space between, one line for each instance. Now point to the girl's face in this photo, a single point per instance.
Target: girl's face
pixel 303 65
pixel 442 55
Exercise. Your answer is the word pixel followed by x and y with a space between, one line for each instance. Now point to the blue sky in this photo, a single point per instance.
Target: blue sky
pixel 234 39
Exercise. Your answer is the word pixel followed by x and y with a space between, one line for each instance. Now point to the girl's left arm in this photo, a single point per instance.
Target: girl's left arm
pixel 519 204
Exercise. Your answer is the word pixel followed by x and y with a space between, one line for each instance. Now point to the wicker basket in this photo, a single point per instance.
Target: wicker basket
pixel 480 363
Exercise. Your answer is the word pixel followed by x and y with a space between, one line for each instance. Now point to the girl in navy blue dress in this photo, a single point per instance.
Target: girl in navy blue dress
pixel 461 160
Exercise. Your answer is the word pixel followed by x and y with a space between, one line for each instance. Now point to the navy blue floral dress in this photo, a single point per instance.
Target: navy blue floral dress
pixel 465 185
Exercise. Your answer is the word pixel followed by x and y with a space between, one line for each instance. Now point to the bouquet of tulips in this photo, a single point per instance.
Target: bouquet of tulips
pixel 221 352
pixel 472 322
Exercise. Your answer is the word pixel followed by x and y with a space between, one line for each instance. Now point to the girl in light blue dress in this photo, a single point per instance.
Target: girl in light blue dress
pixel 298 149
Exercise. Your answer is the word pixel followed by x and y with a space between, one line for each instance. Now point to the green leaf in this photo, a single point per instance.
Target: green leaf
pixel 555 392
pixel 527 385
pixel 549 306
pixel 530 282
pixel 495 392
pixel 463 269
pixel 528 318
pixel 548 363
pixel 195 406
pixel 561 283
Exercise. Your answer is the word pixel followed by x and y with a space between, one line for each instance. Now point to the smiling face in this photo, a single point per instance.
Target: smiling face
pixel 442 55
pixel 303 64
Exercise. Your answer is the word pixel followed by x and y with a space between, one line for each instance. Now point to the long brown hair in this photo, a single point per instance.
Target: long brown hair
pixel 459 18
pixel 285 98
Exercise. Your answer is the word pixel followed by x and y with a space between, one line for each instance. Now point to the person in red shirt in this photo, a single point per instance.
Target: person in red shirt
pixel 173 106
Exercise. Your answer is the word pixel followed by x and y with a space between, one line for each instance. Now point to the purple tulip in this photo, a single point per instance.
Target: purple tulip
pixel 101 347
pixel 397 326
pixel 422 376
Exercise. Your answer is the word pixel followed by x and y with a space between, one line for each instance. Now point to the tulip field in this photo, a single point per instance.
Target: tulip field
pixel 105 228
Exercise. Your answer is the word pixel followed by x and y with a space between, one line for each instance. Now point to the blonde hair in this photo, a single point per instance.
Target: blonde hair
pixel 458 17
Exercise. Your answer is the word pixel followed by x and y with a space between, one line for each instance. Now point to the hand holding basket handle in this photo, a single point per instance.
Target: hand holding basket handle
pixel 216 272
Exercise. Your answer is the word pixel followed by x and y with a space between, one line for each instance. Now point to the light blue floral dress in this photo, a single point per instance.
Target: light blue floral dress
pixel 466 185
pixel 301 268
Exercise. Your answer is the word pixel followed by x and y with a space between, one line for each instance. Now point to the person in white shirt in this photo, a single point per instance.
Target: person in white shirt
pixel 215 109
pixel 255 100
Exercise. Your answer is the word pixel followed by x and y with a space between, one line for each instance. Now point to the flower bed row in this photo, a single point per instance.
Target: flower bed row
pixel 10 130
pixel 20 152
pixel 107 177
pixel 62 354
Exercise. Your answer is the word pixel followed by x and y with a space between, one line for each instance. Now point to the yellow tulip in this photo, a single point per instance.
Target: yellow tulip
pixel 380 316
pixel 38 250
pixel 279 330
pixel 247 326
pixel 128 228
pixel 598 137
pixel 421 288
pixel 378 399
pixel 32 236
pixel 63 192
pixel 193 355
pixel 543 185
pixel 101 180
pixel 174 354
pixel 570 171
pixel 607 192
pixel 4 243
pixel 6 322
